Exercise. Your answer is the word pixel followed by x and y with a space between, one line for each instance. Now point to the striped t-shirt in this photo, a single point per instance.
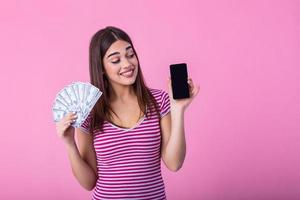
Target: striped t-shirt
pixel 129 159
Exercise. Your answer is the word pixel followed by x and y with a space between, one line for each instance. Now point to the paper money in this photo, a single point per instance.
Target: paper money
pixel 77 97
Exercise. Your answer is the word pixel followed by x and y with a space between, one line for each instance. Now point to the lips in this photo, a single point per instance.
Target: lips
pixel 127 73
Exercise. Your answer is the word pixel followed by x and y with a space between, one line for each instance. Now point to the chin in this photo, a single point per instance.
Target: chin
pixel 131 82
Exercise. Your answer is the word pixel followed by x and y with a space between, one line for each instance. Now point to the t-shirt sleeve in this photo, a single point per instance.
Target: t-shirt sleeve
pixel 164 104
pixel 85 126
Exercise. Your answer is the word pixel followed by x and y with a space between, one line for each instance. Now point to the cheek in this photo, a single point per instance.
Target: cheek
pixel 135 61
pixel 111 69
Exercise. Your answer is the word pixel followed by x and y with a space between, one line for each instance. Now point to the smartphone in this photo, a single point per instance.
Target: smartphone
pixel 179 78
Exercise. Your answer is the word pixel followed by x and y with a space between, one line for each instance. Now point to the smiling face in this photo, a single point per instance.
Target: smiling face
pixel 120 63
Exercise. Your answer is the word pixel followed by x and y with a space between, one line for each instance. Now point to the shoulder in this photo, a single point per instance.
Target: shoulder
pixel 158 94
pixel 162 99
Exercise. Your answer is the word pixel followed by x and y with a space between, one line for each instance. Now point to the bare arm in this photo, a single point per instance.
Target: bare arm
pixel 83 160
pixel 82 157
pixel 172 127
pixel 173 140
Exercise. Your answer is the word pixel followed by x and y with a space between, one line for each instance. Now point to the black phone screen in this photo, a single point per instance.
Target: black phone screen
pixel 179 78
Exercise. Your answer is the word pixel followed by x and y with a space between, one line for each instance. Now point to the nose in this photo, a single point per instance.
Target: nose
pixel 126 63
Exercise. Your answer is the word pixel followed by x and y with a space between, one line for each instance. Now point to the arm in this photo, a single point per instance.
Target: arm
pixel 173 139
pixel 172 128
pixel 83 160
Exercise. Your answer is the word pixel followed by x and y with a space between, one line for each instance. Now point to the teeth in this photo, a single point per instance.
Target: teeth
pixel 127 73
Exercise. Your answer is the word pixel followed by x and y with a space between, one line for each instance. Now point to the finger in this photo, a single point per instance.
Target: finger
pixel 65 119
pixel 190 82
pixel 67 123
pixel 169 82
pixel 73 117
pixel 65 127
pixel 70 121
pixel 70 116
pixel 170 85
pixel 190 79
pixel 195 91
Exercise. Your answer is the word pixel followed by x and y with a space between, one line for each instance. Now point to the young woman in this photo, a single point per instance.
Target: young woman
pixel 131 128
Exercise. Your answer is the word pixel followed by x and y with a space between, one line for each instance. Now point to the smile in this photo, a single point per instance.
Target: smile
pixel 128 74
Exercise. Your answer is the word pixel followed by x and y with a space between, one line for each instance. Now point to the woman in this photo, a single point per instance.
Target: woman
pixel 121 143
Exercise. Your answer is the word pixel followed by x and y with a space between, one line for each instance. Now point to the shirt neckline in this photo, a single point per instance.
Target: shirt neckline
pixel 128 129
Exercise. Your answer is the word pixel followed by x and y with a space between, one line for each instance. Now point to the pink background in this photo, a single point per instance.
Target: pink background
pixel 242 130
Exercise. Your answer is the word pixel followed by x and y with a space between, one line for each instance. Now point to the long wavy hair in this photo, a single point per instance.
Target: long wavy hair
pixel 99 44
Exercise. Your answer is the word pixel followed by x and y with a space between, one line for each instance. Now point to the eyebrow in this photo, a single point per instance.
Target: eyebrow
pixel 129 47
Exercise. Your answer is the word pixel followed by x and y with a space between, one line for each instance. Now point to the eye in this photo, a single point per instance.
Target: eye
pixel 131 55
pixel 116 61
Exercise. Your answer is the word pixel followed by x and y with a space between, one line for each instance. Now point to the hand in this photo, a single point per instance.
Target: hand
pixel 183 103
pixel 65 130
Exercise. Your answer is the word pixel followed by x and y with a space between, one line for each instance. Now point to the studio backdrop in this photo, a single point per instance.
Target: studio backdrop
pixel 242 130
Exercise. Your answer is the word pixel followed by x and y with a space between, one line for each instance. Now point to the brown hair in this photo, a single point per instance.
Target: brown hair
pixel 100 43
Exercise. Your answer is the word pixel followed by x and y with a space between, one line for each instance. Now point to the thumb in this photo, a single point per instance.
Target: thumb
pixel 170 85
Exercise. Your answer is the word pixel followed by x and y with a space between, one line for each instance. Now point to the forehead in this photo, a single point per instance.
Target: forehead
pixel 118 46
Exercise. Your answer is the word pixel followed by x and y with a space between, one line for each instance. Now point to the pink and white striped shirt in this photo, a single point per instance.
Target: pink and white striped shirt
pixel 129 160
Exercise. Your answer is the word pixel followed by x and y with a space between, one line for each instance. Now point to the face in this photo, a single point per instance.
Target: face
pixel 120 64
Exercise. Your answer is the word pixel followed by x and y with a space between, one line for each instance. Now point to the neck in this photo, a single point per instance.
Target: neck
pixel 122 92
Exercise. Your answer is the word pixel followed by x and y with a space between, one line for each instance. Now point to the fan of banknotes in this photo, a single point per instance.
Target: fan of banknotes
pixel 77 97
